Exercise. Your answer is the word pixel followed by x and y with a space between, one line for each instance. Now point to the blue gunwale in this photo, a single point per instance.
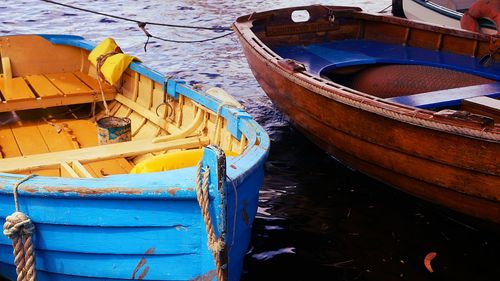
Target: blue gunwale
pixel 320 58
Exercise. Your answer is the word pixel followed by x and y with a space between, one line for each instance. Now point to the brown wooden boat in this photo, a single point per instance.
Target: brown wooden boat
pixel 412 105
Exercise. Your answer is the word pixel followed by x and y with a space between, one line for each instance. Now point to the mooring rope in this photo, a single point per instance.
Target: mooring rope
pixel 19 228
pixel 100 76
pixel 214 244
pixel 142 26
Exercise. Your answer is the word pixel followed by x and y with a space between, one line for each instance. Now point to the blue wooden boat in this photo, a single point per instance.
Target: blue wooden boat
pixel 188 218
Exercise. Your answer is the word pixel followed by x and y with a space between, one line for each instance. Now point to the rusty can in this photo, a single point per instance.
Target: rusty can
pixel 113 130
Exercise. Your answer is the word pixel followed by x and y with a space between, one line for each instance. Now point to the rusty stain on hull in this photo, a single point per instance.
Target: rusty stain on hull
pixel 173 191
pixel 86 191
pixel 141 263
pixel 209 276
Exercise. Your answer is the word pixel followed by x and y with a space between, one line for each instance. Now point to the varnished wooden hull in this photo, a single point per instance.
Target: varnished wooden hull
pixel 456 171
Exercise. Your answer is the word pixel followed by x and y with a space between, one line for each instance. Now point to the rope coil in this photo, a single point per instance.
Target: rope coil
pixel 19 228
pixel 216 245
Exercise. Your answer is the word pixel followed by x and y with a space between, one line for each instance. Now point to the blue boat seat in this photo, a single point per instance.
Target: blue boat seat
pixel 320 58
pixel 448 97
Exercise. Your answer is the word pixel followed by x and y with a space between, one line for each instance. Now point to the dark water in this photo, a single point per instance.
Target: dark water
pixel 317 219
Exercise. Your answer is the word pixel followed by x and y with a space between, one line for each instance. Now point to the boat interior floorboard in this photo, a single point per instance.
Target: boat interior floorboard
pixel 24 138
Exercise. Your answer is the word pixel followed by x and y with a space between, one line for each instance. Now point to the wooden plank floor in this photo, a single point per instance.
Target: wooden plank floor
pixel 33 137
pixel 42 91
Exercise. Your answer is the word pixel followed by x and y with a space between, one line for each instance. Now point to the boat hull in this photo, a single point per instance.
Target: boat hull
pixel 439 167
pixel 432 13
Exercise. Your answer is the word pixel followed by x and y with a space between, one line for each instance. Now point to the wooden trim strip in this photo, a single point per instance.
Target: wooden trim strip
pixel 52 102
pixel 148 114
pixel 6 67
pixel 81 171
pixel 90 154
pixel 197 122
pixel 67 171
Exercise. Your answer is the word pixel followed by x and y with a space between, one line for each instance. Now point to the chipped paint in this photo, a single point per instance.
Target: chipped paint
pixel 84 191
pixel 181 228
pixel 173 191
pixel 233 166
pixel 209 276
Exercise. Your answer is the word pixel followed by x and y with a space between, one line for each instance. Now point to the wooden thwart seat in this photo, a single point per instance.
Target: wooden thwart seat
pixel 96 153
pixel 484 106
pixel 48 90
pixel 449 97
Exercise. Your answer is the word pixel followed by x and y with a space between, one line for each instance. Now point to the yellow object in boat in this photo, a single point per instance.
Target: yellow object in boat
pixel 113 66
pixel 172 161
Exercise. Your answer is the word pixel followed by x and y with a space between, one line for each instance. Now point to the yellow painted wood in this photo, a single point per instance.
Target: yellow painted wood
pixel 158 100
pixel 122 111
pixel 110 167
pixel 84 131
pixel 67 171
pixel 178 110
pixel 15 89
pixel 51 172
pixel 80 170
pixel 98 153
pixel 42 86
pixel 194 126
pixel 242 144
pixel 148 130
pixel 8 143
pixel 137 122
pixel 15 105
pixel 69 84
pixel 146 113
pixel 48 58
pixel 93 83
pixel 6 67
pixel 145 92
pixel 55 137
pixel 129 90
pixel 29 139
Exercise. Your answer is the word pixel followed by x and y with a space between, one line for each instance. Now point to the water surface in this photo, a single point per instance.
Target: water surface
pixel 317 220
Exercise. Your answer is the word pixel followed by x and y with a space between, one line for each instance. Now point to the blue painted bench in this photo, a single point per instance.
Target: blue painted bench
pixel 449 97
pixel 322 57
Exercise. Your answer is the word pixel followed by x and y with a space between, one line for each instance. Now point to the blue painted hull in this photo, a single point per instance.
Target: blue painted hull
pixel 140 226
